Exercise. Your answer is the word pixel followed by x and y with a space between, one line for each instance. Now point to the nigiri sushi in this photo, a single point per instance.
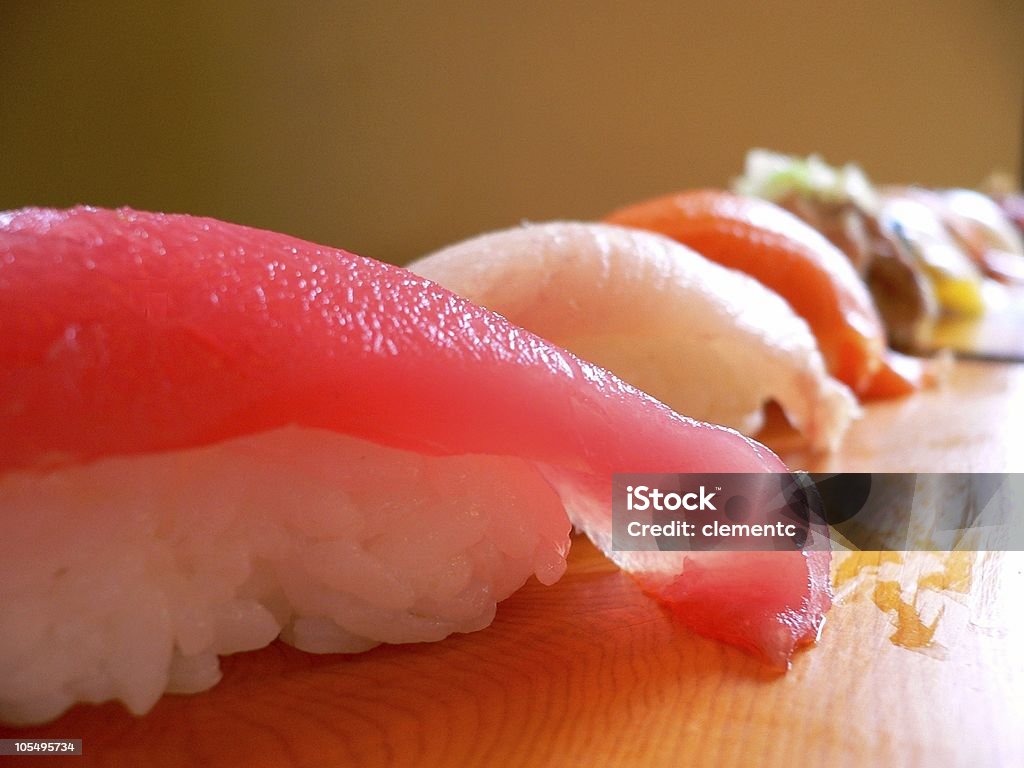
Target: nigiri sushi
pixel 916 272
pixel 914 227
pixel 787 255
pixel 709 342
pixel 214 436
pixel 980 226
pixel 843 205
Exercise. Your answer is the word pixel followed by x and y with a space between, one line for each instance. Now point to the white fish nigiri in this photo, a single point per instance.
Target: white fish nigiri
pixel 710 342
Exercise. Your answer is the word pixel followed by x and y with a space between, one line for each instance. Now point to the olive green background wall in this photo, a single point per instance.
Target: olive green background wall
pixel 392 128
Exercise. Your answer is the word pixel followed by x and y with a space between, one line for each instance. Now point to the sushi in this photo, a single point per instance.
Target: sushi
pixel 788 256
pixel 710 342
pixel 926 255
pixel 214 436
pixel 980 227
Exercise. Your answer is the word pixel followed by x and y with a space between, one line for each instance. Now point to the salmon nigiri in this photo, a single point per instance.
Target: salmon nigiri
pixel 710 342
pixel 214 436
pixel 788 256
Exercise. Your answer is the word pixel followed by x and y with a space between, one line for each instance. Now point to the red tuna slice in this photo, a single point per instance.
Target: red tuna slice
pixel 128 333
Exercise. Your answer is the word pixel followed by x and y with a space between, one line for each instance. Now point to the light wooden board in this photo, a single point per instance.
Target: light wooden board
pixel 591 672
pixel 974 422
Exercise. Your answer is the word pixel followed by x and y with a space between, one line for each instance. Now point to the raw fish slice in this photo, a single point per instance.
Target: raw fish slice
pixel 745 599
pixel 129 332
pixel 788 256
pixel 719 593
pixel 710 342
pixel 131 341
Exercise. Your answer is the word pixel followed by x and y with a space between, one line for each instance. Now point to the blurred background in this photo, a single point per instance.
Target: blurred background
pixel 392 128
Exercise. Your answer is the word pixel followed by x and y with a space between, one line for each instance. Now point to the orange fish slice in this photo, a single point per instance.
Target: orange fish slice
pixel 901 374
pixel 787 255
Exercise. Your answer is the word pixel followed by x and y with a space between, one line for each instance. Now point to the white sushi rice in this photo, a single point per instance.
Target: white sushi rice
pixel 128 577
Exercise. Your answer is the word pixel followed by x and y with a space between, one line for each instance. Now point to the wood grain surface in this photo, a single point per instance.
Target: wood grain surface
pixel 919 663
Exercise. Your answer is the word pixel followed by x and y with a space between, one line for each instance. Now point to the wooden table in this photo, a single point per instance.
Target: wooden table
pixel 920 663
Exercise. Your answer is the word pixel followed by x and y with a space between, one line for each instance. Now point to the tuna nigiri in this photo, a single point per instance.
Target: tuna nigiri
pixel 214 435
pixel 710 342
pixel 788 256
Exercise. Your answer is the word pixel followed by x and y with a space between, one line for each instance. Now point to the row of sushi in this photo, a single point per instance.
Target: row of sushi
pixel 925 254
pixel 215 436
